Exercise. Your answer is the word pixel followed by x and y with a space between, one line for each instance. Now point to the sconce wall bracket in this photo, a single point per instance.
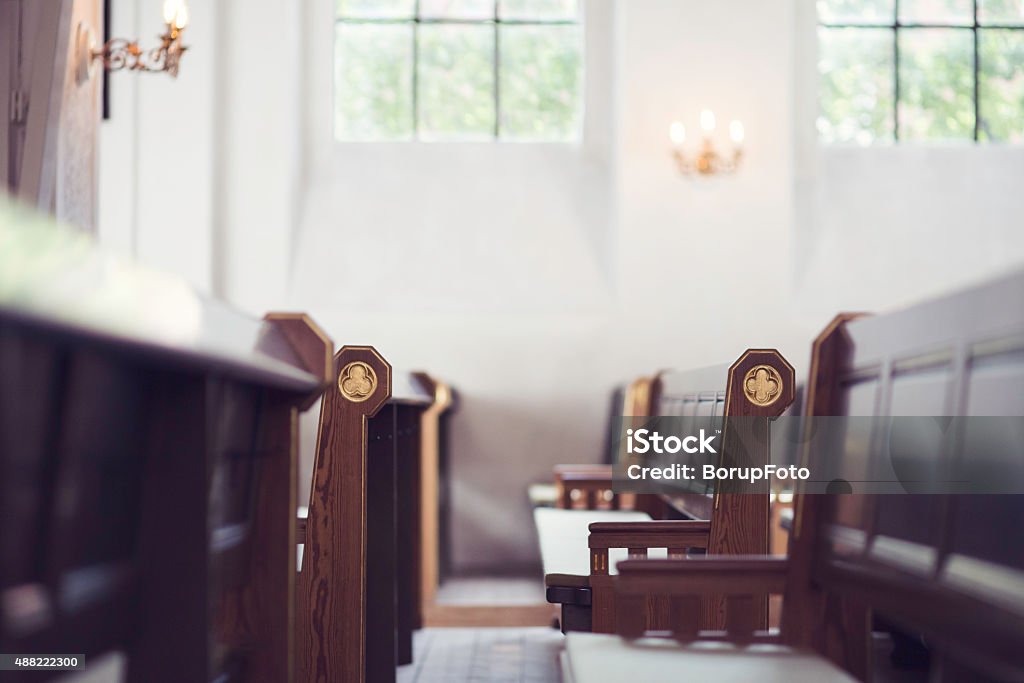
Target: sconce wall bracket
pixel 119 53
pixel 707 161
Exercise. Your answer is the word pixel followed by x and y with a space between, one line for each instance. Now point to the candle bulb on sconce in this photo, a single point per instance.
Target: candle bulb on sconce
pixel 706 161
pixel 176 13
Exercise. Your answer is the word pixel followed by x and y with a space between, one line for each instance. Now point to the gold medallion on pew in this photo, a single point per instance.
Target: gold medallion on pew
pixel 357 381
pixel 762 385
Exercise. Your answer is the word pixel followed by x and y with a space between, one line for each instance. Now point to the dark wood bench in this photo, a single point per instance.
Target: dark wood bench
pixel 589 485
pixel 360 581
pixel 697 521
pixel 947 566
pixel 147 467
pixel 433 495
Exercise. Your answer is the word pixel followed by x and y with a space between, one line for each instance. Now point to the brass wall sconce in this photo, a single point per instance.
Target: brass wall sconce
pixel 120 53
pixel 707 160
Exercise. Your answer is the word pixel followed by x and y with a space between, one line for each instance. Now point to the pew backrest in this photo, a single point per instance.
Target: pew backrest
pixel 147 465
pixel 589 486
pixel 945 565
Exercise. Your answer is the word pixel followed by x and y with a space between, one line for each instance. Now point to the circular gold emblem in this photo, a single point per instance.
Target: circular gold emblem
pixel 357 381
pixel 762 385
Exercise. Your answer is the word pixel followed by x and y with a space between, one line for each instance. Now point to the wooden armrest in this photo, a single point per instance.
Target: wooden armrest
pixel 683 533
pixel 724 575
pixel 586 479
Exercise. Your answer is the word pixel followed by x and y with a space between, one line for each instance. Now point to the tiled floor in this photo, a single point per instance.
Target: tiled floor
pixel 485 655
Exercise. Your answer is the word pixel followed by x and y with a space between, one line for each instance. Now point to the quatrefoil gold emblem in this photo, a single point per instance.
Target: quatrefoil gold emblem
pixel 762 385
pixel 357 381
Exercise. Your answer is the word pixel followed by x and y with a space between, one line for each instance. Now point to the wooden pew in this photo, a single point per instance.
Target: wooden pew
pixel 717 522
pixel 947 567
pixel 359 583
pixel 147 466
pixel 589 486
pixel 433 444
pixel 411 400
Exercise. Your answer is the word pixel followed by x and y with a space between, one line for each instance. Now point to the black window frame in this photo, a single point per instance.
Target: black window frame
pixel 896 26
pixel 495 20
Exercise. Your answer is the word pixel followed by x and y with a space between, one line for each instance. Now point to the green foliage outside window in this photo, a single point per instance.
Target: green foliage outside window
pixel 458 70
pixel 921 70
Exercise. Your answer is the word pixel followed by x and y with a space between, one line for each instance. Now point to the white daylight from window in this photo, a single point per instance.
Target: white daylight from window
pixel 458 70
pixel 921 71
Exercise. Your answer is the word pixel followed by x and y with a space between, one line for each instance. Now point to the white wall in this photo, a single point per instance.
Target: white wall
pixel 535 277
pixel 895 225
pixel 199 175
pixel 157 150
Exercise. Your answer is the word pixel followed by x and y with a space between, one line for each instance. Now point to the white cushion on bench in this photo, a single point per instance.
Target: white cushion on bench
pixel 542 495
pixel 601 658
pixel 564 538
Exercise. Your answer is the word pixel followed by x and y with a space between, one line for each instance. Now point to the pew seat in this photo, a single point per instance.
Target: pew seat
pixel 563 541
pixel 542 495
pixel 603 658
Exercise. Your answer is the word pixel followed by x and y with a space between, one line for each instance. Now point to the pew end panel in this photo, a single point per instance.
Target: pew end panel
pixel 332 581
pixel 741 521
pixel 760 384
pixel 370 452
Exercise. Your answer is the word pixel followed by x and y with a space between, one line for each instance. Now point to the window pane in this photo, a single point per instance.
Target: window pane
pixel 856 11
pixel 936 84
pixel 456 81
pixel 538 9
pixel 1001 84
pixel 856 66
pixel 1006 12
pixel 379 9
pixel 540 82
pixel 457 9
pixel 958 12
pixel 373 81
